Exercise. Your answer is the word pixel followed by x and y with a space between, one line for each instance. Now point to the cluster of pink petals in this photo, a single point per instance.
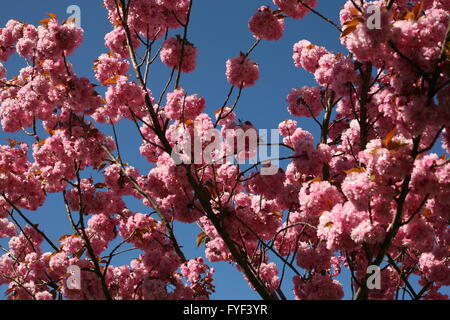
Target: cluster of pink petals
pixel 242 72
pixel 175 51
pixel 182 107
pixel 48 41
pixel 265 24
pixel 320 287
pixel 307 55
pixel 295 9
pixel 110 66
pixel 305 102
pixel 150 18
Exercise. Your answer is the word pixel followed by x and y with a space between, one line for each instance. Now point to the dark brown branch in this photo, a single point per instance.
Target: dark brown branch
pixel 183 44
pixel 364 100
pixel 321 15
pixel 201 193
pixel 390 4
pixel 402 275
pixel 172 237
pixel 362 293
pixel 87 242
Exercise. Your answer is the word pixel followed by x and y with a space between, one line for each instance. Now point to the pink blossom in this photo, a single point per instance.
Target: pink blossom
pixel 109 66
pixel 172 50
pixel 7 228
pixel 116 41
pixel 266 25
pixel 305 102
pixel 287 127
pixel 309 257
pixel 295 9
pixel 434 269
pixel 242 71
pixel 307 55
pixel 320 287
pixel 182 107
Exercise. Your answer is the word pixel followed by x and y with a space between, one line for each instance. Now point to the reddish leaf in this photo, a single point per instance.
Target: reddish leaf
pixel 110 81
pixel 12 142
pixel 277 214
pixel 354 22
pixel 329 224
pixel 347 31
pixel 100 185
pixel 386 141
pixel 70 20
pixel 356 170
pixel 354 11
pixel 201 238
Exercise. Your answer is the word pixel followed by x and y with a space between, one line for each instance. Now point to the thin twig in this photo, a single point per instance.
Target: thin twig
pixel 320 15
pixel 50 242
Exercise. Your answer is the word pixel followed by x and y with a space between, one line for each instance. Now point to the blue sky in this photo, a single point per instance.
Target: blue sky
pixel 219 30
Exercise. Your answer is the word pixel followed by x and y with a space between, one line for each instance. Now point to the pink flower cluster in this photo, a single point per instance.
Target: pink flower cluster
pixel 330 70
pixel 242 72
pixel 294 8
pixel 320 287
pixel 110 66
pixel 48 41
pixel 265 24
pixel 200 277
pixel 175 51
pixel 305 102
pixel 182 107
pixel 307 55
pixel 149 18
pixel 123 99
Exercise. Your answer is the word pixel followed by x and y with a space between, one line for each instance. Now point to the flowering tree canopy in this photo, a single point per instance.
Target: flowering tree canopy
pixel 370 193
